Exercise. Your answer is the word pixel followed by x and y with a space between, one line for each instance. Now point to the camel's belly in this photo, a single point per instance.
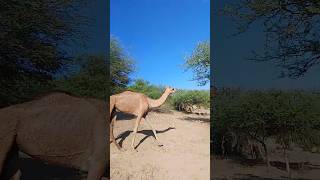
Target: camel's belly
pixel 53 153
pixel 56 138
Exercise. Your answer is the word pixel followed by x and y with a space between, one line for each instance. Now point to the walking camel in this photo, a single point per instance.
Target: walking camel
pixel 58 129
pixel 136 104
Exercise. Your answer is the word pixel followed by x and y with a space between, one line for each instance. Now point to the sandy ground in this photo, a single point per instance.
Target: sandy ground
pixel 230 170
pixel 185 154
pixel 234 169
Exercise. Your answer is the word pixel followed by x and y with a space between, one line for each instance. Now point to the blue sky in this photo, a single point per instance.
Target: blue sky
pixel 230 67
pixel 158 35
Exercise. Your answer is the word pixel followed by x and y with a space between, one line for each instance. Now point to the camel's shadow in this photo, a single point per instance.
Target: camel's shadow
pixel 202 119
pixel 124 116
pixel 121 116
pixel 147 133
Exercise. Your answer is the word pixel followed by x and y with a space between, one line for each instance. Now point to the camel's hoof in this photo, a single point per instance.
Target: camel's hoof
pixel 134 150
pixel 160 144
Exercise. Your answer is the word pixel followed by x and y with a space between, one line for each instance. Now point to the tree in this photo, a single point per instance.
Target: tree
pixel 88 75
pixel 294 121
pixel 199 62
pixel 31 37
pixel 121 66
pixel 146 88
pixel 90 80
pixel 289 117
pixel 291 28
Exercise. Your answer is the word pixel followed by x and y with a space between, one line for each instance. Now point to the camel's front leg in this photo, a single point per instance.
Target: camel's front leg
pixel 6 143
pixel 96 169
pixel 154 132
pixel 112 134
pixel 135 129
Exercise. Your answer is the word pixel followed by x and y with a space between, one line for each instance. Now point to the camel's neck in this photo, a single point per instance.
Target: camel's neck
pixel 158 102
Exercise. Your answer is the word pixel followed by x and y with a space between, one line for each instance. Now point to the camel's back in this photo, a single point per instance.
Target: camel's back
pixel 131 102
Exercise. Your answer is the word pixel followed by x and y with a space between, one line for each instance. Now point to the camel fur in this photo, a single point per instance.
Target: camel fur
pixel 58 129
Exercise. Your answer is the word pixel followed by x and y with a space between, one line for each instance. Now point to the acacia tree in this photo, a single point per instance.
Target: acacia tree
pixel 294 121
pixel 288 117
pixel 226 116
pixel 31 36
pixel 291 28
pixel 121 66
pixel 90 80
pixel 199 62
pixel 88 75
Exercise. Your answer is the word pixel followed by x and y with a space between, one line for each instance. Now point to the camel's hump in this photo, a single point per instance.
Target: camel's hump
pixel 129 92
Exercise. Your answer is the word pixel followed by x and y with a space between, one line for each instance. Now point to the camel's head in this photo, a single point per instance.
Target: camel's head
pixel 170 90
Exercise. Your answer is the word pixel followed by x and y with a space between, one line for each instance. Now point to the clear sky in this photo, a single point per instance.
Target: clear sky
pixel 230 67
pixel 158 34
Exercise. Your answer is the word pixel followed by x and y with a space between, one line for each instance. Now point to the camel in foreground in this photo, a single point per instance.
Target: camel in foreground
pixel 58 129
pixel 136 104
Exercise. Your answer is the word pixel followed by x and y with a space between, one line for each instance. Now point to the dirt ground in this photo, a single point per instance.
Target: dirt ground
pixel 225 169
pixel 185 154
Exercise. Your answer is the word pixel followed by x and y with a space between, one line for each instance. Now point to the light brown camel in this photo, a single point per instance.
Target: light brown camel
pixel 136 104
pixel 58 129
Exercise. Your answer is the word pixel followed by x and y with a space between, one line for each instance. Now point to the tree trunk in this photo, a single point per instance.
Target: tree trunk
pixel 222 147
pixel 287 164
pixel 266 155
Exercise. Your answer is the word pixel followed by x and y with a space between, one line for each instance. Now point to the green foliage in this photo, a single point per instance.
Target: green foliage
pixel 146 88
pixel 290 117
pixel 186 97
pixel 191 97
pixel 30 38
pixel 199 62
pixel 121 66
pixel 90 81
pixel 296 119
pixel 291 29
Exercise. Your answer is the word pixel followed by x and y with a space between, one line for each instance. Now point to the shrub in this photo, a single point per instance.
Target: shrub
pixel 183 98
pixel 146 88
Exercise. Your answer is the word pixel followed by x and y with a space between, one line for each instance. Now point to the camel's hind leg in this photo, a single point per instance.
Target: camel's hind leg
pixel 97 164
pixel 113 139
pixel 6 143
pixel 135 129
pixel 11 168
pixel 154 132
pixel 96 170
